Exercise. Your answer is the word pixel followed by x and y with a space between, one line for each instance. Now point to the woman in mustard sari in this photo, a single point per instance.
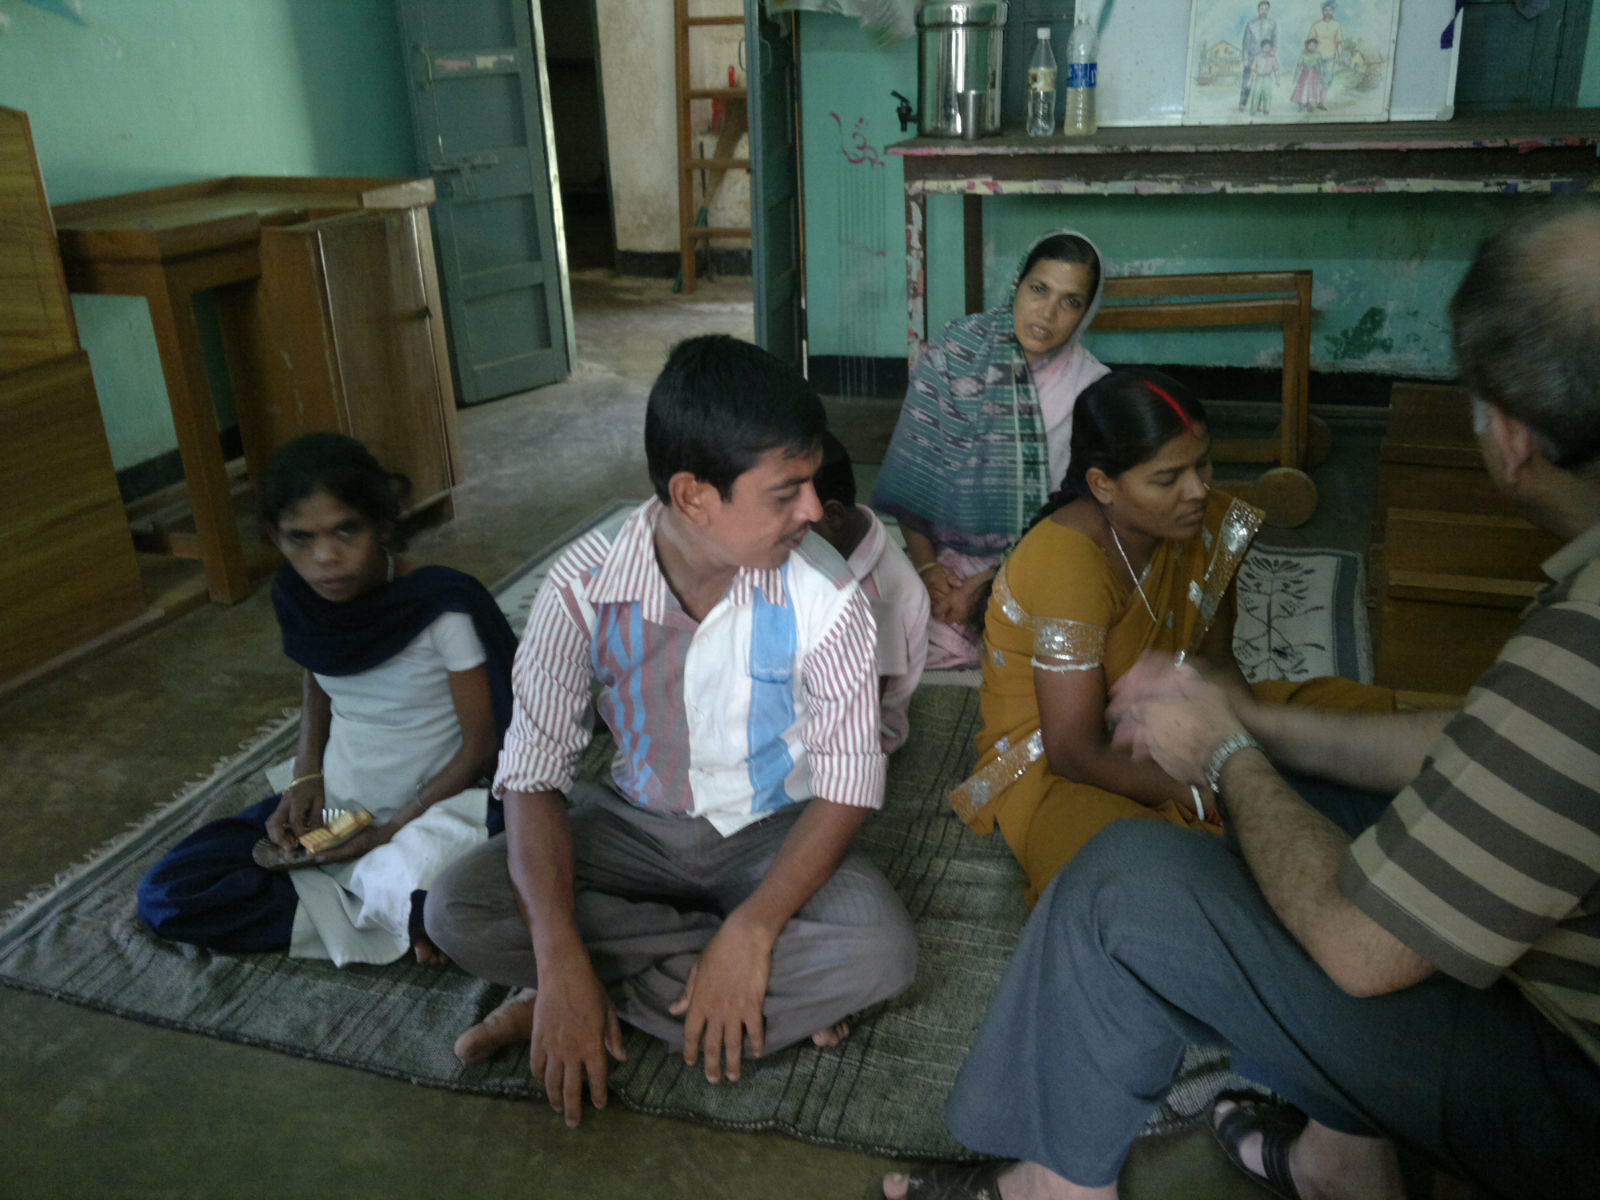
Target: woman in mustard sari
pixel 1135 552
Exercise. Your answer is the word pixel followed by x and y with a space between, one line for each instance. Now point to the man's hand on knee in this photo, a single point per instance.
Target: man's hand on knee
pixel 574 1028
pixel 723 1000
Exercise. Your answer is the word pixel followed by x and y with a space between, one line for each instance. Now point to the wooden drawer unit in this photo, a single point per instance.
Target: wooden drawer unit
pixel 68 572
pixel 1452 589
pixel 1430 456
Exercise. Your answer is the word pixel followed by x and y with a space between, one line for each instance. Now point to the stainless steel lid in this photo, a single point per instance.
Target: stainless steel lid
pixel 936 14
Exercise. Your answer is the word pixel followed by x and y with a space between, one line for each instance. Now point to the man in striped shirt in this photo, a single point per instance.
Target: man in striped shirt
pixel 1426 971
pixel 709 894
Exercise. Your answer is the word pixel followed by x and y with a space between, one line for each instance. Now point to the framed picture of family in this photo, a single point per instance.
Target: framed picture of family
pixel 1282 62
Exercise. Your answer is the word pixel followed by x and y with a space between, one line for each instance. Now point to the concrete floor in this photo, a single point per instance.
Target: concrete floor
pixel 93 1106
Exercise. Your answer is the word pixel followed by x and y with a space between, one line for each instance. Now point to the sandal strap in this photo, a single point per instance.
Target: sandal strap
pixel 1276 1139
pixel 1278 1124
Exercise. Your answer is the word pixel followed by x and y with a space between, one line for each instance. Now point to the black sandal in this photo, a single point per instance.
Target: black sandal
pixel 947 1182
pixel 1277 1123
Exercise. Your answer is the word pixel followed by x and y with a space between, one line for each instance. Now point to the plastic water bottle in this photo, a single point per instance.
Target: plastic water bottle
pixel 1081 70
pixel 1042 87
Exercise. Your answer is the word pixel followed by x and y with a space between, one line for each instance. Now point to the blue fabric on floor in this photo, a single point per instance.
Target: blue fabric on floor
pixel 208 891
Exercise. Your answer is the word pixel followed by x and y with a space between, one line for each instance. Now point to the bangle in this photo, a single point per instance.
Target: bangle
pixel 1199 804
pixel 299 779
pixel 927 566
pixel 1230 746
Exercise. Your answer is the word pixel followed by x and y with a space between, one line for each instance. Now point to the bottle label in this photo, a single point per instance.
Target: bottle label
pixel 1081 74
pixel 1041 79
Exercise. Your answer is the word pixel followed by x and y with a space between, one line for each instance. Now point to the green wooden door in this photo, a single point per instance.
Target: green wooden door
pixel 774 186
pixel 481 118
pixel 1511 61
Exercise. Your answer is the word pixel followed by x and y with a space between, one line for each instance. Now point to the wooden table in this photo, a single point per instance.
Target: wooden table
pixel 170 243
pixel 1507 154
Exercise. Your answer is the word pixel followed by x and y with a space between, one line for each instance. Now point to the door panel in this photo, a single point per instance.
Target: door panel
pixel 774 187
pixel 479 115
pixel 1512 61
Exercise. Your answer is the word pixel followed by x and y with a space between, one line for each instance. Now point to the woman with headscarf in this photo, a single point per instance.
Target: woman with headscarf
pixel 985 432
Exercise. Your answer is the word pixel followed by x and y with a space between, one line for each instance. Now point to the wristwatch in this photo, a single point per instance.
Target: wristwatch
pixel 1230 746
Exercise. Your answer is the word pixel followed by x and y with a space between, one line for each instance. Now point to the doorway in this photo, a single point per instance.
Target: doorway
pixel 572 60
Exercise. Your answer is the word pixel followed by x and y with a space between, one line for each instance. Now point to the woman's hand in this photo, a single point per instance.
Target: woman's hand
pixel 299 811
pixel 961 602
pixel 941 582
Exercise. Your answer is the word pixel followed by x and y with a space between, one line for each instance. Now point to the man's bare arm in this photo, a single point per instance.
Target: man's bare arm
pixel 574 1022
pixel 1378 752
pixel 1295 853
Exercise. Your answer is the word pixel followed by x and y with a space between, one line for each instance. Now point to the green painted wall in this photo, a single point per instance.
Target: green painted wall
pixel 143 93
pixel 1385 265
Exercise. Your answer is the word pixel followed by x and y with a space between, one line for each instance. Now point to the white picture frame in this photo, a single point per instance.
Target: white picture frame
pixel 1144 56
pixel 1290 62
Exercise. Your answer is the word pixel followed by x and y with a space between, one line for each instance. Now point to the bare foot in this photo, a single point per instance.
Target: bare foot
pixel 511 1022
pixel 833 1035
pixel 428 954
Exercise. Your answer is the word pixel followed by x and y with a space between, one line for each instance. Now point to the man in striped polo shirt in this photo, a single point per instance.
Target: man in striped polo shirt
pixel 707 894
pixel 1424 972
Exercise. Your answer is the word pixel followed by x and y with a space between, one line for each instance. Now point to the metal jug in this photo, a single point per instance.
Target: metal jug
pixel 961 44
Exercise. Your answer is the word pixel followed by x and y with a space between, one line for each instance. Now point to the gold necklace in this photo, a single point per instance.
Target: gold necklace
pixel 1131 573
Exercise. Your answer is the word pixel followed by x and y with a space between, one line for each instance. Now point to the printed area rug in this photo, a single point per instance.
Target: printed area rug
pixel 881 1093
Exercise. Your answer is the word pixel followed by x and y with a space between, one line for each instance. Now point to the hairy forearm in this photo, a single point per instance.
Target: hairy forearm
pixel 1375 752
pixel 1295 853
pixel 539 856
pixel 810 854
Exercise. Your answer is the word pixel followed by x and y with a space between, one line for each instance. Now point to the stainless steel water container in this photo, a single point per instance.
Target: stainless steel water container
pixel 961 44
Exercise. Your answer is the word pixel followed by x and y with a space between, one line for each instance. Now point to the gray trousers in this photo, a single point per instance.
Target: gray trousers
pixel 1153 937
pixel 651 893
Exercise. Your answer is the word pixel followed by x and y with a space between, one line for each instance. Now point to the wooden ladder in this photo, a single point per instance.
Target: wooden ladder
pixel 693 223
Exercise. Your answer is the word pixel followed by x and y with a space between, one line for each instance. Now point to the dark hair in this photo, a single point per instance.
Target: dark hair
pixel 347 471
pixel 1121 420
pixel 718 405
pixel 835 480
pixel 1526 321
pixel 1067 248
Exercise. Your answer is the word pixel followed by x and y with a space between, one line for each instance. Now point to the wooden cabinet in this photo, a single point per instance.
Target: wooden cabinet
pixel 68 573
pixel 353 343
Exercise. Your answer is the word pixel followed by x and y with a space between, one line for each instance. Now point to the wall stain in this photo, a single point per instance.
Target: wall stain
pixel 1361 340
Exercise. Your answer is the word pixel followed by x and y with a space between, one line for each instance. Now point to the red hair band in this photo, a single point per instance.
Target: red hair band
pixel 1188 425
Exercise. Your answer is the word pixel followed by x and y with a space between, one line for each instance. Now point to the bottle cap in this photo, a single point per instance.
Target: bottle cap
pixel 1042 32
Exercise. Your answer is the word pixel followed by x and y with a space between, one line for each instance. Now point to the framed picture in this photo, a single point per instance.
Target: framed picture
pixel 1285 62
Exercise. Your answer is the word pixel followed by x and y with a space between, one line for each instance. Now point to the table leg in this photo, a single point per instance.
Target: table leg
pixel 194 417
pixel 972 236
pixel 244 343
pixel 916 274
pixel 1292 426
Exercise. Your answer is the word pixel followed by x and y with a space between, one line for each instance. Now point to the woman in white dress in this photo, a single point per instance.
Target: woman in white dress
pixel 406 695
